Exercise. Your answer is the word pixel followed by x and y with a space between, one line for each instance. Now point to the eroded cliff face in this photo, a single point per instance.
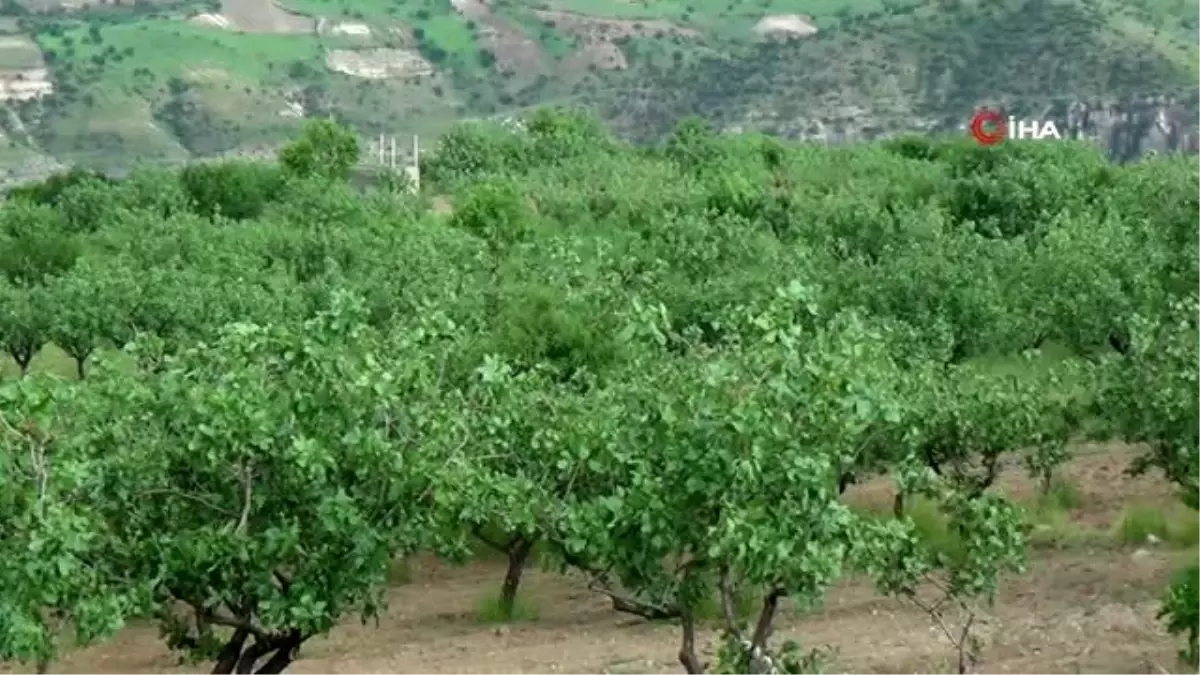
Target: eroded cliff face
pixel 1128 130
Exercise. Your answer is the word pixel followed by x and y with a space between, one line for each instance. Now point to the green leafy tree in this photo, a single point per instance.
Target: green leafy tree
pixel 34 243
pixel 951 579
pixel 88 307
pixel 238 190
pixel 55 575
pixel 24 329
pixel 724 472
pixel 474 150
pixel 325 149
pixel 48 191
pixel 265 481
pixel 1149 393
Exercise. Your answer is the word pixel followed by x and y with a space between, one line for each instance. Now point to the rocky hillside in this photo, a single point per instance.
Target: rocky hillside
pixel 109 83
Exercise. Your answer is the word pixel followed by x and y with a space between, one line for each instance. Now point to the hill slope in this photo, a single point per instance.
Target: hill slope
pixel 112 84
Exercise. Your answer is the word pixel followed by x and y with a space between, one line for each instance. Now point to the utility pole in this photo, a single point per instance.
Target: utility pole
pixel 415 170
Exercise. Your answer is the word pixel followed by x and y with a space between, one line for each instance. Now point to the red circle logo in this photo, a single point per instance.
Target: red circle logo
pixel 980 127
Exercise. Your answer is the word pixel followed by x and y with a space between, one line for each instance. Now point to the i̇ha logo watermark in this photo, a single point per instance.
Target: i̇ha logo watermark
pixel 989 127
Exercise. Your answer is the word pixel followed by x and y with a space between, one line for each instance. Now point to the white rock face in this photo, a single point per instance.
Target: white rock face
pixel 25 85
pixel 377 64
pixel 356 29
pixel 786 25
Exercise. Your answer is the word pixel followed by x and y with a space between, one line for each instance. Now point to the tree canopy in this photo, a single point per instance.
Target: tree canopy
pixel 665 365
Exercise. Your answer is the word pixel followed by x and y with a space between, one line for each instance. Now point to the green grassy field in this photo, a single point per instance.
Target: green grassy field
pixel 50 360
pixel 437 22
pixel 178 49
pixel 146 85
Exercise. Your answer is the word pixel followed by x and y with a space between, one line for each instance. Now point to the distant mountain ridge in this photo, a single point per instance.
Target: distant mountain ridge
pixel 109 85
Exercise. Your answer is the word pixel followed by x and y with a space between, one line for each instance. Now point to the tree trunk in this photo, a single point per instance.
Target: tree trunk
pixel 283 657
pixel 23 360
pixel 845 480
pixel 898 505
pixel 227 660
pixel 762 632
pixel 236 657
pixel 687 648
pixel 81 367
pixel 518 555
pixel 250 657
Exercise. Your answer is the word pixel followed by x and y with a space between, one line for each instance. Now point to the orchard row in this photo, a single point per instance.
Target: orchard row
pixel 662 365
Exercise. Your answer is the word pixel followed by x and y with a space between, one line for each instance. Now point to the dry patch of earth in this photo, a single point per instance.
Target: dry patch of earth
pixel 1080 610
pixel 212 21
pixel 354 29
pixel 597 37
pixel 786 26
pixel 262 16
pixel 515 51
pixel 596 29
pixel 1071 613
pixel 23 72
pixel 25 84
pixel 603 55
pixel 224 95
pixel 377 64
pixel 19 52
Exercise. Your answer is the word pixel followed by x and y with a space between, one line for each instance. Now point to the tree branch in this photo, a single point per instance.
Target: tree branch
pixel 766 616
pixel 260 635
pixel 727 592
pixel 193 498
pixel 284 579
pixel 247 498
pixel 479 534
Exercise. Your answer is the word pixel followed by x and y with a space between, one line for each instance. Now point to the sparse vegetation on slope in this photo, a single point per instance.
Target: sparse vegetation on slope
pixel 112 85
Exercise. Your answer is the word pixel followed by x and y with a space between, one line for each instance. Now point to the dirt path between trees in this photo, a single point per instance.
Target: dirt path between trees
pixel 1082 609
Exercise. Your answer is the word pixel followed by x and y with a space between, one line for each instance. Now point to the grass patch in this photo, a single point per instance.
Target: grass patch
pixel 130 72
pixel 399 572
pixel 1063 495
pixel 1177 526
pixel 50 359
pixel 1051 528
pixel 53 361
pixel 172 48
pixel 438 23
pixel 746 604
pixel 488 610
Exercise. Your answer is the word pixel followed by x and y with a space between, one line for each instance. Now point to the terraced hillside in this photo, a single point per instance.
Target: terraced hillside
pixel 113 83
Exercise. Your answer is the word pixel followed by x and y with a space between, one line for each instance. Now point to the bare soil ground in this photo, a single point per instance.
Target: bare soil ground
pixel 597 37
pixel 264 16
pixel 378 63
pixel 593 29
pixel 1082 609
pixel 515 52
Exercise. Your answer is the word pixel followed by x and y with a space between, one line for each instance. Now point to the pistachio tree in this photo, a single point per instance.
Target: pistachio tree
pixel 23 326
pixel 90 306
pixel 724 471
pixel 55 577
pixel 518 423
pixel 262 482
pixel 1150 394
